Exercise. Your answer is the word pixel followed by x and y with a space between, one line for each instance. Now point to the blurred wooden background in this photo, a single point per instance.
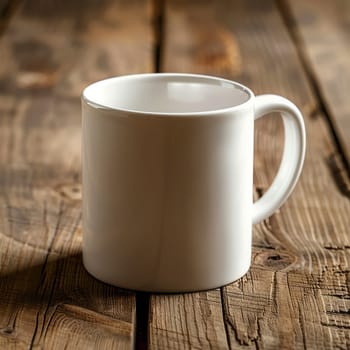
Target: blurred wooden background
pixel 296 295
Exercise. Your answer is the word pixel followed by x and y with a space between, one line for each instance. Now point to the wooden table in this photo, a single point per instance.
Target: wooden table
pixel 296 295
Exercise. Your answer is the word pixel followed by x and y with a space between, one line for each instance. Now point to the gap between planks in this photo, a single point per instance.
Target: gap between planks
pixel 158 23
pixel 292 28
pixel 142 317
pixel 143 299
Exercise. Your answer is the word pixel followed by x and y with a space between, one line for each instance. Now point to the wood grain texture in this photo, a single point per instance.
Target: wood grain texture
pixel 322 29
pixel 187 321
pixel 296 294
pixel 49 52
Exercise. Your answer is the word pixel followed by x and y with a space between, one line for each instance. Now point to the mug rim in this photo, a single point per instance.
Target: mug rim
pixel 233 108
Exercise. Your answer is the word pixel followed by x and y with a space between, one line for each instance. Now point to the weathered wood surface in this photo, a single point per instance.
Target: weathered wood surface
pixel 322 31
pixel 296 295
pixel 49 52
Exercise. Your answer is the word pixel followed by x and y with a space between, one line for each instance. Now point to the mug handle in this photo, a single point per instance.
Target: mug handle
pixel 293 154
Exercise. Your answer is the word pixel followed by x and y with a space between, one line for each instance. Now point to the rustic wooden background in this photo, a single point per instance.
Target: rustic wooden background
pixel 296 295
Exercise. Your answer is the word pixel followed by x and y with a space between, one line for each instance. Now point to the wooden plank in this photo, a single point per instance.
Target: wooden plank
pixel 187 321
pixel 322 28
pixel 50 51
pixel 296 293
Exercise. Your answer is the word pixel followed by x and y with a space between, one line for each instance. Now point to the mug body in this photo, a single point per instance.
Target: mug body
pixel 167 181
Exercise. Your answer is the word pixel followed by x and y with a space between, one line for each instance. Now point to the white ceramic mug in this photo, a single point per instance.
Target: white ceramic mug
pixel 168 178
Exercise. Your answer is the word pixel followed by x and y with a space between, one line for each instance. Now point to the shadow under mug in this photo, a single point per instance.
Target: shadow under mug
pixel 168 178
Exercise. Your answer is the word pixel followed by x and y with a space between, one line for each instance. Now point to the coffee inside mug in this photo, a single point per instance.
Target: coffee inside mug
pixel 167 94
